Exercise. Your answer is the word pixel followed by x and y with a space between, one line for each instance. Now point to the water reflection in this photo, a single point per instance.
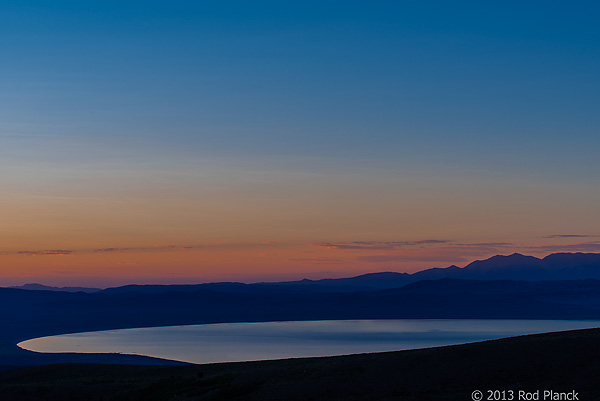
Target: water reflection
pixel 229 342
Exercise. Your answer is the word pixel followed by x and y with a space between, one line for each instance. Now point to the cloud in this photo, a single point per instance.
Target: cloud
pixel 189 247
pixel 149 248
pixel 593 246
pixel 317 260
pixel 429 250
pixel 446 251
pixel 478 248
pixel 450 250
pixel 377 245
pixel 47 252
pixel 570 236
pixel 145 248
pixel 412 258
pixel 484 244
pixel 108 250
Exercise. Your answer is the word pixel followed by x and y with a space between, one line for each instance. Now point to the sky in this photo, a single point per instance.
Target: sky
pixel 194 141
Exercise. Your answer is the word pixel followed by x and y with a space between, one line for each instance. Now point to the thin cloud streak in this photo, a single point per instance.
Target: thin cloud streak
pixel 377 245
pixel 45 252
pixel 146 248
pixel 188 247
pixel 438 245
pixel 570 236
pixel 485 244
pixel 430 250
pixel 151 248
pixel 317 260
pixel 593 246
pixel 411 258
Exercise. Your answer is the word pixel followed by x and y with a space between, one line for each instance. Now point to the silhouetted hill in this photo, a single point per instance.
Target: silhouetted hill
pixel 365 282
pixel 28 314
pixel 48 312
pixel 41 287
pixel 369 281
pixel 560 266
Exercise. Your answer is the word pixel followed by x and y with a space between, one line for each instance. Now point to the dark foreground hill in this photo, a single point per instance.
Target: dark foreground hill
pixel 567 362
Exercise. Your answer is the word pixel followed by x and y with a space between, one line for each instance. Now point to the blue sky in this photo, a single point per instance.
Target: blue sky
pixel 390 104
pixel 299 78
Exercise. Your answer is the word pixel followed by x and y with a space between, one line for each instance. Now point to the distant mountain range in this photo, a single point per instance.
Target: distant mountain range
pixel 558 266
pixel 41 287
pixel 27 314
pixel 560 286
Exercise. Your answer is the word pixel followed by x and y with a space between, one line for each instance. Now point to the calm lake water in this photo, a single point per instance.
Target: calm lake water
pixel 230 342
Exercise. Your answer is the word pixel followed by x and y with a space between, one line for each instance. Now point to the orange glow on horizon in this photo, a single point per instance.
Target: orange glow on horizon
pixel 249 262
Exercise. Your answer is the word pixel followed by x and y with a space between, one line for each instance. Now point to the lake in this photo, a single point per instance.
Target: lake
pixel 232 342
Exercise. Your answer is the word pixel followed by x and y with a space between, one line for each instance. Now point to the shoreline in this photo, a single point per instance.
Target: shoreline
pixel 238 340
pixel 561 361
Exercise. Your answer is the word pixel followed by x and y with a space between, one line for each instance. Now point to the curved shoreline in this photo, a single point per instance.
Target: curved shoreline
pixel 30 314
pixel 563 361
pixel 237 341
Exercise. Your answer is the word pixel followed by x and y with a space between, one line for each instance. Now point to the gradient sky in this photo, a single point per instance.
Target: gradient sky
pixel 191 141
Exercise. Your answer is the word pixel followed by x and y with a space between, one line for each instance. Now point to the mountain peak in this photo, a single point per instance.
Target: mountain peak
pixel 500 261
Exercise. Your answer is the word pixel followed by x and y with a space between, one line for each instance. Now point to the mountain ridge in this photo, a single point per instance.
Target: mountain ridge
pixel 556 266
pixel 42 287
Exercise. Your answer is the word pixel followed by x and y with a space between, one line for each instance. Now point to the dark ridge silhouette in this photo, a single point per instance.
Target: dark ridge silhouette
pixel 41 287
pixel 559 266
pixel 365 282
pixel 27 314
